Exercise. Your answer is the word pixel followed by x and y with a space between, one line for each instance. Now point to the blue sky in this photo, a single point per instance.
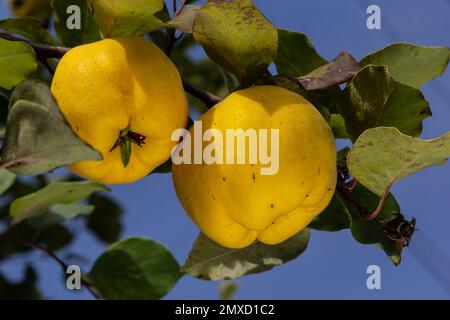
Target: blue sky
pixel 334 265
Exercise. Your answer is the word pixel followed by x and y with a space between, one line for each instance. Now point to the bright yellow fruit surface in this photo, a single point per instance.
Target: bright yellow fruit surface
pixel 234 204
pixel 107 86
pixel 29 8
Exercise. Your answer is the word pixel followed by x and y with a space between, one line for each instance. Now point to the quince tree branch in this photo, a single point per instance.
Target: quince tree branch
pixel 45 51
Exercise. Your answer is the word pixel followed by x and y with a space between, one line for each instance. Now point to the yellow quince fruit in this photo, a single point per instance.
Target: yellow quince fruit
pixel 124 97
pixel 235 204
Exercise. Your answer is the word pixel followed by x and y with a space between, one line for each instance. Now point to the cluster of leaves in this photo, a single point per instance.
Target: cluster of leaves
pixel 380 110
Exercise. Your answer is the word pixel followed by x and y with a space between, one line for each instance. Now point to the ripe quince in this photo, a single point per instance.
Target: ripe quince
pixel 124 97
pixel 234 204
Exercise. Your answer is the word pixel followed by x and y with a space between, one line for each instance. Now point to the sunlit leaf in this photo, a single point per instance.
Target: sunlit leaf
pixel 37 203
pixel 382 156
pixel 236 36
pixel 17 63
pixel 410 64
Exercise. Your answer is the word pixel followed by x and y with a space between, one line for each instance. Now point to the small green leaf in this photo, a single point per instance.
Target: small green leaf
pixel 17 63
pixel 210 261
pixel 236 36
pixel 337 124
pixel 118 18
pixel 410 64
pixel 296 55
pixel 104 221
pixel 184 21
pixel 37 203
pixel 38 139
pixel 7 179
pixel 374 99
pixel 228 290
pixel 382 156
pixel 30 28
pixel 88 30
pixel 135 268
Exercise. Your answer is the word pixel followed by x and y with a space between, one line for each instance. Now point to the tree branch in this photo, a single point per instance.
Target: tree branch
pixel 64 266
pixel 206 97
pixel 42 50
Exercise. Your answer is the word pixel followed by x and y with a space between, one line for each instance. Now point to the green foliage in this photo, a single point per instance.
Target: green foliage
pixel 382 156
pixel 410 64
pixel 6 180
pixel 135 268
pixel 17 63
pixel 236 36
pixel 38 139
pixel 104 221
pixel 55 194
pixel 30 28
pixel 26 289
pixel 372 99
pixel 88 32
pixel 117 18
pixel 381 110
pixel 210 261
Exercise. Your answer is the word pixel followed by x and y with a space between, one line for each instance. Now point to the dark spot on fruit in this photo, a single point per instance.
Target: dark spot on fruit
pixel 318 171
pixel 223 179
pixel 214 198
pixel 272 205
pixel 307 195
pixel 254 176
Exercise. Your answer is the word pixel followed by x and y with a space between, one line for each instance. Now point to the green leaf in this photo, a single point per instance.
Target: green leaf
pixel 374 99
pixel 382 156
pixel 25 289
pixel 410 64
pixel 17 62
pixel 118 18
pixel 341 214
pixel 184 21
pixel 236 36
pixel 104 221
pixel 54 237
pixel 334 218
pixel 37 203
pixel 210 261
pixel 337 124
pixel 135 268
pixel 88 31
pixel 30 28
pixel 38 139
pixel 296 55
pixel 7 179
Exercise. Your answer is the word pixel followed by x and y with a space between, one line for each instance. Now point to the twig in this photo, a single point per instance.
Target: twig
pixel 43 50
pixel 63 265
pixel 206 97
